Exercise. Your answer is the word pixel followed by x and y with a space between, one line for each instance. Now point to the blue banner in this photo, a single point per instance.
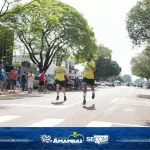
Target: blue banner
pixel 75 138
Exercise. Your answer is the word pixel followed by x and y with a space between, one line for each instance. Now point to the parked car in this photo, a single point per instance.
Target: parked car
pixel 50 83
pixel 103 83
pixel 139 85
pixel 148 85
pixel 97 83
pixel 36 82
pixel 111 84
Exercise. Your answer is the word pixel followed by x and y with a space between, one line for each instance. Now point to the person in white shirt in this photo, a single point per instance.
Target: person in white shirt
pixel 31 77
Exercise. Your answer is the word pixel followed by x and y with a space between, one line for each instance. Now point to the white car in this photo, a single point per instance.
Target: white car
pixel 103 83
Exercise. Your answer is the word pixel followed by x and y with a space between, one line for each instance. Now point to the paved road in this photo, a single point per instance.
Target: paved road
pixel 112 107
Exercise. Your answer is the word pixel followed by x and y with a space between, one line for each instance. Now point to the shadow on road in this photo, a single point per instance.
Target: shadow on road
pixel 143 96
pixel 57 103
pixel 147 123
pixel 3 107
pixel 90 107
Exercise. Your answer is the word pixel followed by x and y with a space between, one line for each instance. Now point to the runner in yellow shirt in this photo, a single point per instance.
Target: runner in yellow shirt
pixel 88 79
pixel 59 73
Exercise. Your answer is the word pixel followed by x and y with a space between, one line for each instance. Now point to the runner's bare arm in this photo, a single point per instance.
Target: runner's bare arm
pixel 64 71
pixel 93 68
pixel 54 73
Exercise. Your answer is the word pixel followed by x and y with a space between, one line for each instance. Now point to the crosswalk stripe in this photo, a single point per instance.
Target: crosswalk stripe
pixel 110 124
pixel 7 118
pixel 50 122
pixel 99 124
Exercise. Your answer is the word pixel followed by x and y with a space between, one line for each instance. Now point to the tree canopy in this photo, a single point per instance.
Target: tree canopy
pixel 6 43
pixel 7 4
pixel 105 67
pixel 140 65
pixel 48 28
pixel 138 22
pixel 126 78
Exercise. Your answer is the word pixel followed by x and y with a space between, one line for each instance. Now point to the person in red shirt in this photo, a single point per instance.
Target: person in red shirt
pixel 41 80
pixel 13 77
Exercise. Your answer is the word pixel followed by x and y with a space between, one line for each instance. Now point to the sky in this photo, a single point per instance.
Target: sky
pixel 107 18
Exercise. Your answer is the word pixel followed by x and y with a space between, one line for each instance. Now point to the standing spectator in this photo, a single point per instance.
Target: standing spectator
pixel 23 81
pixel 41 81
pixel 2 77
pixel 76 83
pixel 26 81
pixel 5 80
pixel 13 77
pixel 31 77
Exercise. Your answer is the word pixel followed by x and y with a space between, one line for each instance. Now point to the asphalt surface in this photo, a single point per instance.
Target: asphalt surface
pixel 112 107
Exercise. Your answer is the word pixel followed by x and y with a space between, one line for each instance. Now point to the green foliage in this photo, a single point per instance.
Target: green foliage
pixel 119 78
pixel 126 78
pixel 49 28
pixel 105 67
pixel 115 69
pixel 138 22
pixel 104 52
pixel 6 43
pixel 140 64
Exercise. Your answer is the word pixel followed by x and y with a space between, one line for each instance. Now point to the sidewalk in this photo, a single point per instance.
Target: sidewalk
pixel 6 94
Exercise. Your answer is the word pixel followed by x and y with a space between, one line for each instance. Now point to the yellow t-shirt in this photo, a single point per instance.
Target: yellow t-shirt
pixel 88 72
pixel 59 70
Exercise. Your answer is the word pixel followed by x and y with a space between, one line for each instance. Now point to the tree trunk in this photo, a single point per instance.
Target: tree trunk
pixel 40 68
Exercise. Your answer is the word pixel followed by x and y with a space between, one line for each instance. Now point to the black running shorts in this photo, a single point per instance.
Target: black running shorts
pixel 61 83
pixel 88 81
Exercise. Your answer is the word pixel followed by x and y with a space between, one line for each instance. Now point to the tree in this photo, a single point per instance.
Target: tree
pixel 140 65
pixel 138 22
pixel 102 68
pixel 119 78
pixel 50 27
pixel 105 66
pixel 115 69
pixel 7 4
pixel 6 43
pixel 126 78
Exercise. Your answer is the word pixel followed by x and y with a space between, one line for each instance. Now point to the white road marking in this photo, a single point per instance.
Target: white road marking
pixel 99 124
pixel 129 109
pixel 131 100
pixel 116 99
pixel 39 106
pixel 50 122
pixel 141 105
pixel 7 118
pixel 109 124
pixel 51 106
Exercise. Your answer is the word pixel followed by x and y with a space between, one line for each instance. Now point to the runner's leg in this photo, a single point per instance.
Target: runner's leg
pixel 93 91
pixel 84 92
pixel 57 90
